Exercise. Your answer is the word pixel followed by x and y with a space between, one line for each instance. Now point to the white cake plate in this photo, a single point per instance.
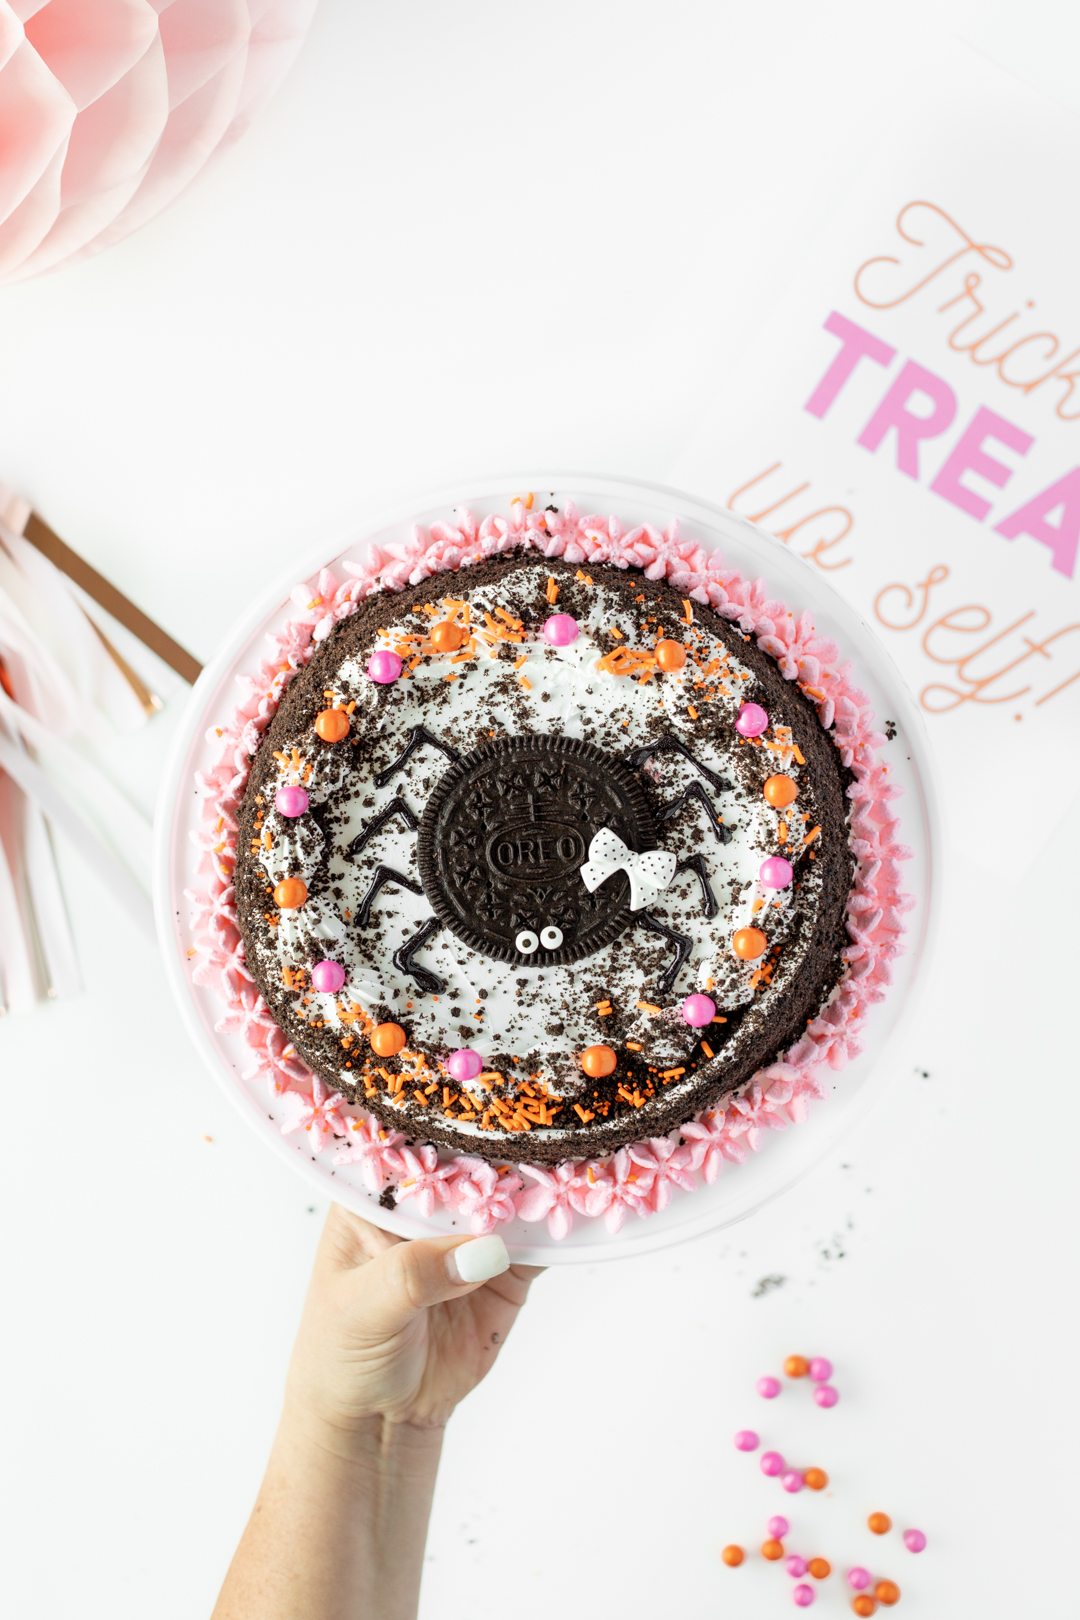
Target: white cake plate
pixel 785 1156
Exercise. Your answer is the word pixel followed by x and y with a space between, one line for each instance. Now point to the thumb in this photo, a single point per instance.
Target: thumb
pixel 408 1277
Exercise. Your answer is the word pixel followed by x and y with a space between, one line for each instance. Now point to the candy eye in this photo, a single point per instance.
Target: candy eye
pixel 527 942
pixel 551 938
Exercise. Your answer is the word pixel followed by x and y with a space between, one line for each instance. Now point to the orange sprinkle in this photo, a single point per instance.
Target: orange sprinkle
pixel 585 579
pixel 526 683
pixel 647 1006
pixel 756 907
pixel 811 835
pixel 451 675
pixel 797 754
pixel 691 711
pixel 459 658
pixel 524 659
pixel 707 1049
pixel 688 610
pixel 635 1046
pixel 515 624
pixel 781 833
pixel 552 591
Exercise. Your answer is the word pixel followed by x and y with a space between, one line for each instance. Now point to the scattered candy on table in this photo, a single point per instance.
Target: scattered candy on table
pixel 826 1396
pixel 386 1039
pixel 803 1596
pixel 914 1540
pixel 698 1011
pixel 815 1479
pixel 880 1523
pixel 384 667
pixel 821 1370
pixel 290 801
pixel 769 1388
pixel 332 725
pixel 864 1604
pixel 749 944
pixel 819 1568
pixel 780 791
pixel 560 629
pixel 752 720
pixel 598 1061
pixel 733 1556
pixel 290 893
pixel 670 655
pixel 772 1550
pixel 796 1566
pixel 465 1064
pixel 887 1592
pixel 328 977
pixel 775 873
pixel 796 1367
pixel 792 1481
pixel 778 1526
pixel 772 1464
pixel 858 1578
pixel 746 1440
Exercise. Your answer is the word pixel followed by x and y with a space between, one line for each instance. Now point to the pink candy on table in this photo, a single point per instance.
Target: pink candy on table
pixel 560 629
pixel 746 1440
pixel 796 1566
pixel 384 667
pixel 858 1578
pixel 698 1011
pixel 914 1540
pixel 465 1064
pixel 803 1596
pixel 792 1481
pixel 290 801
pixel 752 720
pixel 768 1388
pixel 778 1527
pixel 826 1396
pixel 820 1369
pixel 328 977
pixel 776 873
pixel 772 1463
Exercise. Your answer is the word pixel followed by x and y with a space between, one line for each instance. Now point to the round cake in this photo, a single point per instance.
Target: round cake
pixel 538 861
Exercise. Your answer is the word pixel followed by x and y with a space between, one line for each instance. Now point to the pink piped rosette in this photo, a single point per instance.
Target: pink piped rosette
pixel 641 1179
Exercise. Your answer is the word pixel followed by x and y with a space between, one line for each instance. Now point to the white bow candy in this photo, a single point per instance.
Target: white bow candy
pixel 649 873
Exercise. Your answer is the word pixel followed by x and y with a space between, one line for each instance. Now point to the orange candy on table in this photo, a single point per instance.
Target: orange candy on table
pixel 880 1523
pixel 820 1568
pixel 670 654
pixel 887 1592
pixel 864 1604
pixel 815 1479
pixel 796 1367
pixel 290 893
pixel 772 1550
pixel 447 637
pixel 598 1061
pixel 749 943
pixel 332 725
pixel 733 1556
pixel 780 791
pixel 386 1039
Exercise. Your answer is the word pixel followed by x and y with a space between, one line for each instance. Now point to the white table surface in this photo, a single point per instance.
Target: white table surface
pixel 465 238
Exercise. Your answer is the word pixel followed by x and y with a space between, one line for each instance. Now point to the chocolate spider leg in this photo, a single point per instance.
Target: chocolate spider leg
pixel 696 791
pixel 418 736
pixel 383 874
pixel 667 744
pixel 396 807
pixel 428 982
pixel 696 863
pixel 683 946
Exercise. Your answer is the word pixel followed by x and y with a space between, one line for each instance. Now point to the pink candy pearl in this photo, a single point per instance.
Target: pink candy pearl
pixel 328 977
pixel 792 1481
pixel 779 1527
pixel 290 801
pixel 820 1369
pixel 698 1011
pixel 752 720
pixel 858 1578
pixel 795 1565
pixel 772 1463
pixel 465 1064
pixel 914 1540
pixel 825 1395
pixel 746 1440
pixel 803 1596
pixel 560 629
pixel 384 667
pixel 776 873
pixel 769 1388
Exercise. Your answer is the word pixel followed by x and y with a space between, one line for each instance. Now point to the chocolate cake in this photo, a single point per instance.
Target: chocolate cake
pixel 535 862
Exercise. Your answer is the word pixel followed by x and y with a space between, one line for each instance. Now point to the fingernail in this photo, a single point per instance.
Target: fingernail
pixel 477 1260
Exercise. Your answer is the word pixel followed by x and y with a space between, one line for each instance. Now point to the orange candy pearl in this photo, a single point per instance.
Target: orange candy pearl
pixel 815 1479
pixel 864 1604
pixel 749 943
pixel 332 725
pixel 796 1366
pixel 598 1061
pixel 887 1592
pixel 290 893
pixel 880 1523
pixel 780 791
pixel 733 1556
pixel 772 1550
pixel 386 1039
pixel 670 654
pixel 820 1568
pixel 447 637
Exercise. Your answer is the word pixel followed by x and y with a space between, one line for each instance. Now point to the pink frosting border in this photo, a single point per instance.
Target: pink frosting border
pixel 642 1178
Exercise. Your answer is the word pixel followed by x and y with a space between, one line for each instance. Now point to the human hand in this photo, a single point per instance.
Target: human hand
pixel 389 1331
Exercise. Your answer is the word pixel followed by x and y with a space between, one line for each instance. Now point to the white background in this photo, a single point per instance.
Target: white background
pixel 466 237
